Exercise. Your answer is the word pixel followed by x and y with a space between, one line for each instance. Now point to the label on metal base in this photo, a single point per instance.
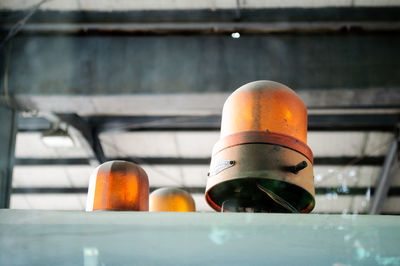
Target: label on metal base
pixel 217 167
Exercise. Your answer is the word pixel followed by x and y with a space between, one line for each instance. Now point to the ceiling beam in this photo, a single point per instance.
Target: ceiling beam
pixel 217 28
pixel 366 160
pixel 156 73
pixel 326 122
pixel 335 122
pixel 195 7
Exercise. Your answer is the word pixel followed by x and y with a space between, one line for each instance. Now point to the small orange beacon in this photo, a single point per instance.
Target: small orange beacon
pixel 171 199
pixel 118 186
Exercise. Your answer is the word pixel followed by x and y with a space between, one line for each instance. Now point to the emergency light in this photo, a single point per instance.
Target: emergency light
pixel 261 162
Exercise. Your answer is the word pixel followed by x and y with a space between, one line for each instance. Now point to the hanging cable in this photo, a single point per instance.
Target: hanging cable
pixel 20 24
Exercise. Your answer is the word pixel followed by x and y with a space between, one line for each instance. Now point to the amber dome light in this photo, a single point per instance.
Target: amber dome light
pixel 118 185
pixel 171 200
pixel 261 162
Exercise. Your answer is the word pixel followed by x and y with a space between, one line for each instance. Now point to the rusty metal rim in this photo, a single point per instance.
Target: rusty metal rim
pixel 247 137
pixel 218 208
pixel 212 204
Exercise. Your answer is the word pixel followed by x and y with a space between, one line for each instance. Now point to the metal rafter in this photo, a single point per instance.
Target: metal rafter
pixel 88 133
pixel 368 160
pixel 388 169
pixel 8 131
pixel 326 122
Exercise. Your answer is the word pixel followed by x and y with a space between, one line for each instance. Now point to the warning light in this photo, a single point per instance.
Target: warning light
pixel 261 162
pixel 171 200
pixel 119 186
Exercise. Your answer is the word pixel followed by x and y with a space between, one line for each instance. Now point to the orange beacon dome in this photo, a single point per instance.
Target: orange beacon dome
pixel 261 162
pixel 119 186
pixel 171 200
pixel 265 105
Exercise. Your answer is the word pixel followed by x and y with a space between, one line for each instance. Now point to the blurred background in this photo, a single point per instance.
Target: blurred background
pixel 85 81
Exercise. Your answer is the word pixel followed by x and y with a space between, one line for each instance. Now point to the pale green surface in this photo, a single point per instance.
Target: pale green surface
pixel 132 238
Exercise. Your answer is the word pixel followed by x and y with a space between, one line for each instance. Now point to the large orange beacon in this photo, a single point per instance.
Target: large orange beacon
pixel 118 186
pixel 261 162
pixel 170 199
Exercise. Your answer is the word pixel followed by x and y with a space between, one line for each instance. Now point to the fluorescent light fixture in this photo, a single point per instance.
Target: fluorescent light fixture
pixel 235 35
pixel 57 138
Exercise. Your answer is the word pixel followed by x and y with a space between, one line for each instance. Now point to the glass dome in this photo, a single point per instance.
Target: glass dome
pixel 118 185
pixel 265 105
pixel 171 200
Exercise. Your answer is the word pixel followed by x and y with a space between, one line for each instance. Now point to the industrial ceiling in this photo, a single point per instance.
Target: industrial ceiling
pixel 145 81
